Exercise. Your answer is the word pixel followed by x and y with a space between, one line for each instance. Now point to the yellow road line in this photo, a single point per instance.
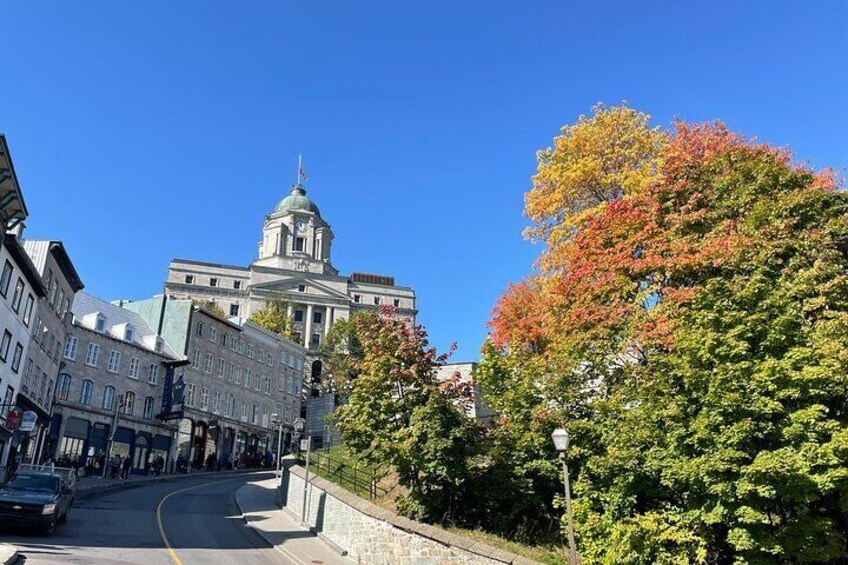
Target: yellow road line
pixel 168 545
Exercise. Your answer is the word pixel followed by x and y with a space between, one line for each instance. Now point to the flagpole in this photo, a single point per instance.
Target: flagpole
pixel 299 167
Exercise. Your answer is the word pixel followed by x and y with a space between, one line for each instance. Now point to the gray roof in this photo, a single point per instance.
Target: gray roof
pixel 85 304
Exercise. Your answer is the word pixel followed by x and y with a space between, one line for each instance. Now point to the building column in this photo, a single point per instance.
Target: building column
pixel 328 319
pixel 290 310
pixel 308 326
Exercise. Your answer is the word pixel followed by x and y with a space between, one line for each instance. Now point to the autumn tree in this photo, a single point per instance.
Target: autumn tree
pixel 396 412
pixel 274 316
pixel 210 306
pixel 691 334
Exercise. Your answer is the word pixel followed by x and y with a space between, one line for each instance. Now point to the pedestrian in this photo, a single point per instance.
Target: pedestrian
pixel 126 465
pixel 49 465
pixel 115 466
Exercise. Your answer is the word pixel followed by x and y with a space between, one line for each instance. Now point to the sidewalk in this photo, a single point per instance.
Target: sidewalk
pixel 8 554
pixel 280 529
pixel 91 484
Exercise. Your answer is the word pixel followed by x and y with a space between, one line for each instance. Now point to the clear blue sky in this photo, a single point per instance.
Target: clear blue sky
pixel 143 131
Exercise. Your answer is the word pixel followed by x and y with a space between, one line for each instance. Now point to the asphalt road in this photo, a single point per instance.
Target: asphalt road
pixel 184 522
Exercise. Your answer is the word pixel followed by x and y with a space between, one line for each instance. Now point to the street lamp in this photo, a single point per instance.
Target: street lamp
pixel 560 437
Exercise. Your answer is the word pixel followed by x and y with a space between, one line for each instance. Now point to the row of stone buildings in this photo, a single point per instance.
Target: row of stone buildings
pixel 167 376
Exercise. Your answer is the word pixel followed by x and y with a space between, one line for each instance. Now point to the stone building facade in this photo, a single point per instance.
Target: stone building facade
pixel 294 263
pixel 53 320
pixel 465 373
pixel 238 376
pixel 109 390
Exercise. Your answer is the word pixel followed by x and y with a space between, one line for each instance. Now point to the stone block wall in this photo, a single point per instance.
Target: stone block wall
pixel 373 535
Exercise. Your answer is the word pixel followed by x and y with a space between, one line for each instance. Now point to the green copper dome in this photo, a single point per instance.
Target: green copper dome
pixel 297 200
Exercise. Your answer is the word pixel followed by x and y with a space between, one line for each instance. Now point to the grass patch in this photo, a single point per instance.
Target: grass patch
pixel 544 553
pixel 343 468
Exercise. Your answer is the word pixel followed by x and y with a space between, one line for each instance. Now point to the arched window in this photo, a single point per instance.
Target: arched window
pixel 109 398
pixel 63 387
pixel 129 402
pixel 85 392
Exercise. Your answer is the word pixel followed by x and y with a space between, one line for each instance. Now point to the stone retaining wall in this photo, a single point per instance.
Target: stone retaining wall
pixel 370 534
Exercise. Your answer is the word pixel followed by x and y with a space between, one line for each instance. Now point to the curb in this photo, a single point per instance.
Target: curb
pixel 8 554
pixel 97 488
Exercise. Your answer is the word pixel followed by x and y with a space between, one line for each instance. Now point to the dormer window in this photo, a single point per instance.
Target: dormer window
pixel 129 333
pixel 100 323
pixel 301 288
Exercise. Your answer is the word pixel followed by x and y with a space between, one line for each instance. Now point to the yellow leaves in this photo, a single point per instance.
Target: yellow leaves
pixel 601 158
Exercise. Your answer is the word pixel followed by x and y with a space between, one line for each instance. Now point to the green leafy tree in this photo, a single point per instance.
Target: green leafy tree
pixel 210 306
pixel 274 316
pixel 692 336
pixel 395 412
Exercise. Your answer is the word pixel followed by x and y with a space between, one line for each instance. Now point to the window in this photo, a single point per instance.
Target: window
pixel 213 333
pixel 85 392
pixel 298 315
pixel 19 294
pixel 30 302
pixel 63 387
pixel 250 351
pixel 114 362
pixel 230 370
pixel 148 408
pixel 238 374
pixel 71 348
pixel 377 300
pixel 299 243
pixel 244 410
pixel 234 343
pixel 247 378
pixel 301 288
pixel 223 339
pixel 27 374
pixel 290 384
pixel 134 362
pixel 267 385
pixel 237 285
pixel 213 281
pixel 153 374
pixel 216 402
pixel 257 382
pixel 288 414
pixel 195 359
pixel 208 362
pixel 129 333
pixel 59 301
pixel 189 279
pixel 4 345
pixel 260 356
pixel 204 398
pixel 100 323
pixel 129 402
pixel 316 339
pixel 189 397
pixel 220 367
pixel 16 357
pixel 92 355
pixel 109 398
pixel 198 329
pixel 6 279
pixel 318 318
pixel 254 415
pixel 231 406
pixel 397 302
pixel 241 347
pixel 357 298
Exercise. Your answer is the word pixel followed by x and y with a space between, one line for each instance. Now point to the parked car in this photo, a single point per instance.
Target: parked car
pixel 37 499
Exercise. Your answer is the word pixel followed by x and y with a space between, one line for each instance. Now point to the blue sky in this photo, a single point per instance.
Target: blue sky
pixel 143 131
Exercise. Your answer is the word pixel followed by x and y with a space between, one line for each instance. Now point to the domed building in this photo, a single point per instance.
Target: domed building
pixel 295 263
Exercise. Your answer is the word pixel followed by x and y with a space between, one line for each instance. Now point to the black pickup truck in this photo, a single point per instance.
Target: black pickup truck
pixel 38 499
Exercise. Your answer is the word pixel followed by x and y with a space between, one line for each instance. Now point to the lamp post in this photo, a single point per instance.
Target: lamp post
pixel 119 405
pixel 560 437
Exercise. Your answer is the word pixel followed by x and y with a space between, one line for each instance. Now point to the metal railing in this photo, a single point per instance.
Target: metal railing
pixel 360 479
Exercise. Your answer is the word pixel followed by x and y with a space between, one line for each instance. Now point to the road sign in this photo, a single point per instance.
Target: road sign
pixel 304 444
pixel 28 421
pixel 13 419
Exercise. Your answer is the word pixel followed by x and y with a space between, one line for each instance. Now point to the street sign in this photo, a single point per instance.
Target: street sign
pixel 299 424
pixel 13 419
pixel 304 444
pixel 28 421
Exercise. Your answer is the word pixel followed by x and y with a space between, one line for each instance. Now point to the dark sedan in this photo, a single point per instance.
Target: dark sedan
pixel 38 499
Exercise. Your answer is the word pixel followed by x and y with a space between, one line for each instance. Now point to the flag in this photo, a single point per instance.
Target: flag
pixel 303 175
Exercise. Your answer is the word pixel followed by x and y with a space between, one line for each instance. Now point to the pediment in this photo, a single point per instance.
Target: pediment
pixel 289 287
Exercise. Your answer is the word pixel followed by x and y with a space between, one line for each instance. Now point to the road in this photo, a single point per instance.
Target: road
pixel 192 521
